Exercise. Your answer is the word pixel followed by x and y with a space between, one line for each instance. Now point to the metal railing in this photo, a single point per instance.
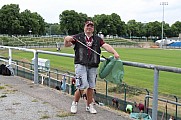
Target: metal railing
pixel 166 101
pixel 156 69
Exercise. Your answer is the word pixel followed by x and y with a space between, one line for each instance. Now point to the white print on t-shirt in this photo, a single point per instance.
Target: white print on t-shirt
pixel 89 44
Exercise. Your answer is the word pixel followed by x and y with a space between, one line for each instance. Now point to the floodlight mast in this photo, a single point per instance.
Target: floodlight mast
pixel 163 4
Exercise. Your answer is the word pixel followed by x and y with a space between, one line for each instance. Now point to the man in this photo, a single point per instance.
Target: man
pixel 86 62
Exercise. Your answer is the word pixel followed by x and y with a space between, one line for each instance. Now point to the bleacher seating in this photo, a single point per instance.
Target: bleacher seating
pixel 175 44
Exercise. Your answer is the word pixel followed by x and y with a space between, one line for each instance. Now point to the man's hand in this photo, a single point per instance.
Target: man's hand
pixel 68 41
pixel 116 55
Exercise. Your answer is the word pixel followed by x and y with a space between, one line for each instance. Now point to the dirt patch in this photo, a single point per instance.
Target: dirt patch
pixel 146 44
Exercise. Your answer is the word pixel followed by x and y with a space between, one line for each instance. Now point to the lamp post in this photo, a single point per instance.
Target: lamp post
pixel 163 4
pixel 130 34
pixel 108 29
pixel 145 27
pixel 30 31
pixel 50 30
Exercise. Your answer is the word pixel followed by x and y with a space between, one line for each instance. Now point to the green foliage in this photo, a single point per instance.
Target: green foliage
pixel 45 117
pixel 9 18
pixel 63 114
pixel 30 41
pixel 71 22
pixel 176 29
pixel 4 39
pixel 120 42
pixel 2 87
pixel 14 22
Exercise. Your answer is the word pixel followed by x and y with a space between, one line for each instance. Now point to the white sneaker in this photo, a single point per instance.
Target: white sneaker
pixel 74 107
pixel 91 109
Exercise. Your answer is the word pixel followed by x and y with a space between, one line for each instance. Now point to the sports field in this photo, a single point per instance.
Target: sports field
pixel 169 83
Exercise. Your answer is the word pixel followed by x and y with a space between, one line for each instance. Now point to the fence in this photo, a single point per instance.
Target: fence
pixel 133 64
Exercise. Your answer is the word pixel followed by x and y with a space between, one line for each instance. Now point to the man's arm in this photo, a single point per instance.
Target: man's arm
pixel 110 49
pixel 68 41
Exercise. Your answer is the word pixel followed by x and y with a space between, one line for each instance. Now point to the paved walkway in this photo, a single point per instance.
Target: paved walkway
pixel 20 99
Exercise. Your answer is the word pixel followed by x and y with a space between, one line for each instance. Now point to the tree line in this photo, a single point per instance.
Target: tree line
pixel 14 22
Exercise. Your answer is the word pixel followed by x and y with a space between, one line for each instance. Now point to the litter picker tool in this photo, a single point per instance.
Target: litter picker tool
pixel 89 48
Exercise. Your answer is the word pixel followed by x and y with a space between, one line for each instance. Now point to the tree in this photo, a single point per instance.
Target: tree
pixel 13 22
pixel 119 27
pixel 167 30
pixel 154 29
pixel 72 22
pixel 102 24
pixel 132 28
pixel 32 22
pixel 176 28
pixel 53 29
pixel 9 17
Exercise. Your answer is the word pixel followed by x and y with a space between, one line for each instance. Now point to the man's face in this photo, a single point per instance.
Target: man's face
pixel 89 28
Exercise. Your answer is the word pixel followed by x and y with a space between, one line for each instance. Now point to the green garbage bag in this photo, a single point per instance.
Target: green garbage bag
pixel 112 70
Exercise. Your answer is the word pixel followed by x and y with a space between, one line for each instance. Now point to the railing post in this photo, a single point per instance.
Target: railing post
pixel 147 101
pixel 155 94
pixel 125 102
pixel 17 68
pixel 36 67
pixel 49 79
pixel 106 90
pixel 24 69
pixel 57 77
pixel 10 56
pixel 166 110
pixel 68 77
pixel 176 107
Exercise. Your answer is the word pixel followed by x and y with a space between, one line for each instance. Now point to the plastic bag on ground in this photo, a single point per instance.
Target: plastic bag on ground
pixel 142 116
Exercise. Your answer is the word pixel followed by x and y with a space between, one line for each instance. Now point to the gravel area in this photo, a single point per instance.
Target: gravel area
pixel 20 99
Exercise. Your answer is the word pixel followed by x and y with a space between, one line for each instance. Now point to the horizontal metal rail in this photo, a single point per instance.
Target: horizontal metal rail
pixel 152 66
pixel 164 100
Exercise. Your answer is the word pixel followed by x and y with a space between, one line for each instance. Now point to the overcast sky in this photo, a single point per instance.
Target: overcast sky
pixel 141 10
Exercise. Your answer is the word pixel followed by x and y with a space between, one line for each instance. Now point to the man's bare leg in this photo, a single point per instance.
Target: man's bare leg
pixel 78 94
pixel 89 96
pixel 90 100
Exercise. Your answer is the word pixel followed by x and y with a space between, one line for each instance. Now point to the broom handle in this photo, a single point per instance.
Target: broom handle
pixel 89 48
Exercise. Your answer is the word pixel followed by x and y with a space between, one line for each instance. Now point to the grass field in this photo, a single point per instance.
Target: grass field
pixel 169 83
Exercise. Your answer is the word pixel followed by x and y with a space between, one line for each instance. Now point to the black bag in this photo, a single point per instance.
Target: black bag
pixel 2 66
pixel 4 70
